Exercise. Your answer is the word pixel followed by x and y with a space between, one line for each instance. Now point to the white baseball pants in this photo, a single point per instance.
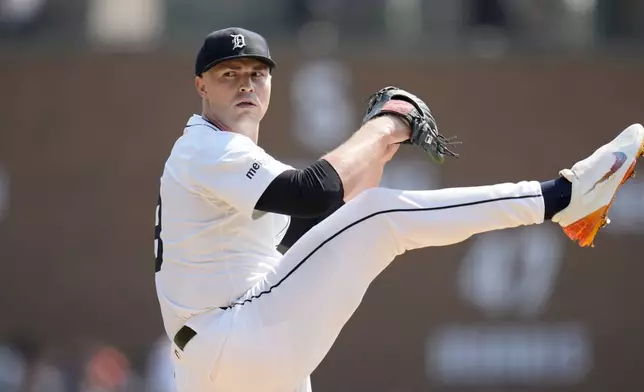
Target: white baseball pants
pixel 272 339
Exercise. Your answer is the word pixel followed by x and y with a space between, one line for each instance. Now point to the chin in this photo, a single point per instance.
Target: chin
pixel 250 116
pixel 246 125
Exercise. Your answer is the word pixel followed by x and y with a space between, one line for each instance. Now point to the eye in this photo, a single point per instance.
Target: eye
pixel 259 74
pixel 229 74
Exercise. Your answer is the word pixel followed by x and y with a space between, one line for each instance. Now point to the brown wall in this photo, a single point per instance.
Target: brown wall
pixel 84 139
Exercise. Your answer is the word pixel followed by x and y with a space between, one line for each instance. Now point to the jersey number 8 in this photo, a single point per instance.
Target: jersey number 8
pixel 158 243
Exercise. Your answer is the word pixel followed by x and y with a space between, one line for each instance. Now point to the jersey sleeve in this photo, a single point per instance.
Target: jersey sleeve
pixel 234 169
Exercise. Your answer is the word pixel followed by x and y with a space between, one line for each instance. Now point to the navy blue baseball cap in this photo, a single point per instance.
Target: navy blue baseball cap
pixel 232 43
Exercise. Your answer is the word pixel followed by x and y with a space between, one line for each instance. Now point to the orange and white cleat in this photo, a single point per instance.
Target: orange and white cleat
pixel 595 182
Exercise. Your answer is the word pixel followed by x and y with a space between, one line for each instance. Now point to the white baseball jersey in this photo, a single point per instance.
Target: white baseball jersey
pixel 214 245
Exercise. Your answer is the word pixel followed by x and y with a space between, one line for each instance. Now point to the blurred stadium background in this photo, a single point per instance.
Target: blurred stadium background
pixel 94 93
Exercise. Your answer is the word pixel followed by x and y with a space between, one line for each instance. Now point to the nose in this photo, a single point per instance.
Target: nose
pixel 246 85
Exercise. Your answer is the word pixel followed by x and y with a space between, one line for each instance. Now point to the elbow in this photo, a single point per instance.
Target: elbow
pixel 316 202
pixel 321 189
pixel 324 202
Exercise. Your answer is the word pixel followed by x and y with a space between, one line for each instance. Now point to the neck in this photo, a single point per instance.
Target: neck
pixel 213 120
pixel 246 128
pixel 251 130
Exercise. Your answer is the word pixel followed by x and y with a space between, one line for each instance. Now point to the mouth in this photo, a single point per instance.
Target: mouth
pixel 246 104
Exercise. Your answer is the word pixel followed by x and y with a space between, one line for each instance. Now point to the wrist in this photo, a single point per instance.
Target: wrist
pixel 390 128
pixel 388 120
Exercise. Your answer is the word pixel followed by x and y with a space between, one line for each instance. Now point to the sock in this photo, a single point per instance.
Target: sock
pixel 556 196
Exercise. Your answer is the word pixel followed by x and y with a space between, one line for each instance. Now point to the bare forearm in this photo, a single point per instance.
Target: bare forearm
pixel 371 179
pixel 360 160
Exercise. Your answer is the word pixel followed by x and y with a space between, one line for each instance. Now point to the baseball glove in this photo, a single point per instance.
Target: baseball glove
pixel 424 131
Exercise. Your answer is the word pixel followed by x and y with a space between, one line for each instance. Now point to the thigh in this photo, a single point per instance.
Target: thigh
pixel 284 327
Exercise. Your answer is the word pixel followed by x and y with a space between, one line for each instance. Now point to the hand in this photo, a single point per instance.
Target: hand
pixel 401 131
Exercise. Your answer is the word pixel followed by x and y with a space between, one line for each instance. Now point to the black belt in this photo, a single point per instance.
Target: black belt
pixel 184 335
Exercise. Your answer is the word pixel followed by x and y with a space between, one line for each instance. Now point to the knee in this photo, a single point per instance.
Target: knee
pixel 372 205
pixel 372 200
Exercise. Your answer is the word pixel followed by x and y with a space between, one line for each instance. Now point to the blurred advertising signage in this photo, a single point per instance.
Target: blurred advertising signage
pixel 509 275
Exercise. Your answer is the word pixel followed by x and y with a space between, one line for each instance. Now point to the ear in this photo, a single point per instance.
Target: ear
pixel 202 90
